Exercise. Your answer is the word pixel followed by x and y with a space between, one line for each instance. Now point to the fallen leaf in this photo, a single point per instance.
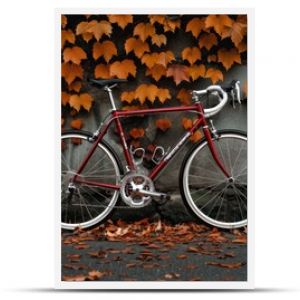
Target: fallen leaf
pixel 226 265
pixel 191 54
pixel 181 256
pixel 78 277
pixel 74 54
pixel 228 57
pixel 121 20
pixel 178 72
pixel 94 275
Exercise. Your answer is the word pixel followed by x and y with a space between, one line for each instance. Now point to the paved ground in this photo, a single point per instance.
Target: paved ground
pixel 200 259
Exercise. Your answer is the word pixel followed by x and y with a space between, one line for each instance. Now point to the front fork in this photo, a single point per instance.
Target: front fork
pixel 210 136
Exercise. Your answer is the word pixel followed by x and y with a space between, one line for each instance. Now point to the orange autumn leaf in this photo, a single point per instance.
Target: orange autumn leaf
pixel 146 92
pixel 196 136
pixel 67 36
pixel 163 95
pixel 162 58
pixel 195 26
pixel 74 54
pixel 245 88
pixel 144 30
pixel 187 123
pixel 87 36
pixel 163 124
pixel 208 40
pixel 107 50
pixel 156 72
pixel 122 69
pixel 184 96
pixel 64 21
pixel 137 46
pixel 137 133
pixel 82 28
pixel 191 54
pixel 218 22
pixel 70 71
pixel 229 57
pixel 214 75
pixel 65 97
pixel 178 72
pixel 236 32
pixel 128 96
pixel 171 25
pixel 159 39
pixel 82 100
pixel 242 47
pixel 97 29
pixel 167 23
pixel 76 124
pixel 121 20
pixel 211 58
pixel 149 59
pixel 75 86
pixel 196 71
pixel 102 71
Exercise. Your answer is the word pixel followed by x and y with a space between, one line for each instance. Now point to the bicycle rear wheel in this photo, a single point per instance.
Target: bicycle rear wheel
pixel 85 205
pixel 208 193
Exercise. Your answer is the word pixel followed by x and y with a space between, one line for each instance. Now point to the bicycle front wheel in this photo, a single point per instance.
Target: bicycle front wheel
pixel 85 205
pixel 208 193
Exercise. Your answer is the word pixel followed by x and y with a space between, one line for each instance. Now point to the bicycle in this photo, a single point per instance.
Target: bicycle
pixel 213 175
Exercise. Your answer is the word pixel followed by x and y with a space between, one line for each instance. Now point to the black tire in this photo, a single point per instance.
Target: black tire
pixel 182 171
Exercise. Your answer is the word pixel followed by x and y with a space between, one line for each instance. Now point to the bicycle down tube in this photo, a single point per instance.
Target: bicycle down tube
pixel 116 115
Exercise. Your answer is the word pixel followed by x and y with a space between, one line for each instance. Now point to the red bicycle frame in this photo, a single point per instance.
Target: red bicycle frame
pixel 117 114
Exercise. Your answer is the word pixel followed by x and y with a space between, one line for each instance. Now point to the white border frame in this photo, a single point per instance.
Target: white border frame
pixel 179 285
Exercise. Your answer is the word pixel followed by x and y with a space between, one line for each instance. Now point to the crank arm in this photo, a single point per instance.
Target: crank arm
pixel 162 196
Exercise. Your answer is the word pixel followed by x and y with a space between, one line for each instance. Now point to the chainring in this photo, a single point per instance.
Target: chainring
pixel 131 185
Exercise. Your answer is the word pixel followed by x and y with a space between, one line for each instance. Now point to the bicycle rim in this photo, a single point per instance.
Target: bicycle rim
pixel 208 192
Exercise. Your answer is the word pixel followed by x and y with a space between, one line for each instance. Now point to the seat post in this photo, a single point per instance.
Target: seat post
pixel 111 97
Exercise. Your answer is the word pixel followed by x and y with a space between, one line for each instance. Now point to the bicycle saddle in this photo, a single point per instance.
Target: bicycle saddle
pixel 107 82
